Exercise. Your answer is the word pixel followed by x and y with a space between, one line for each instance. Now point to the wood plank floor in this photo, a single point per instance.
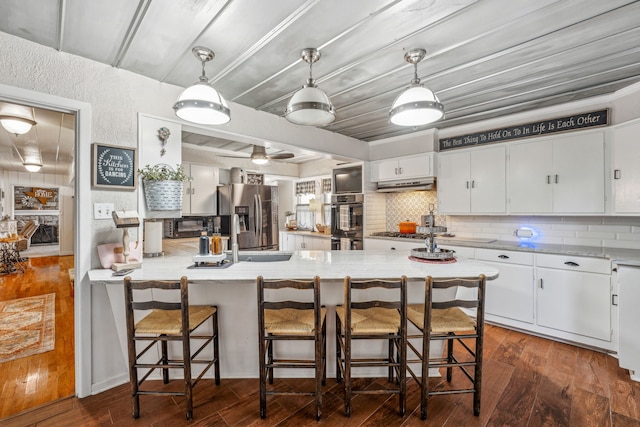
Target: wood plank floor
pixel 528 381
pixel 32 381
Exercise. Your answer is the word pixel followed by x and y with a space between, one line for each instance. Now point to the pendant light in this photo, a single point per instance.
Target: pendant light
pixel 417 105
pixel 310 106
pixel 32 166
pixel 201 103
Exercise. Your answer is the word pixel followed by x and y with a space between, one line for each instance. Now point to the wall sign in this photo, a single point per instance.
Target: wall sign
pixel 544 127
pixel 35 199
pixel 114 167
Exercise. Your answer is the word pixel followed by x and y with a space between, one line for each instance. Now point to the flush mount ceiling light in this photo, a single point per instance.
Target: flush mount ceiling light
pixel 16 125
pixel 201 103
pixel 310 106
pixel 259 155
pixel 417 105
pixel 32 167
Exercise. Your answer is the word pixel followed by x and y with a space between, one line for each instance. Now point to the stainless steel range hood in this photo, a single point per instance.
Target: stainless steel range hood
pixel 421 184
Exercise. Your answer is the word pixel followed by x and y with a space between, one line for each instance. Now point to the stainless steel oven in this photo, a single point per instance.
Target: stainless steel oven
pixel 347 221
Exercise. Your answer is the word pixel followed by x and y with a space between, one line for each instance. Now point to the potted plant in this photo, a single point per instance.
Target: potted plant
pixel 163 186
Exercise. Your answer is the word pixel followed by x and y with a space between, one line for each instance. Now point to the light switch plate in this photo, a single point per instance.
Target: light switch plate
pixel 102 210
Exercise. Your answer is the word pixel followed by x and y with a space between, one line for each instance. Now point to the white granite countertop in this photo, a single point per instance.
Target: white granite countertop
pixel 326 264
pixel 616 255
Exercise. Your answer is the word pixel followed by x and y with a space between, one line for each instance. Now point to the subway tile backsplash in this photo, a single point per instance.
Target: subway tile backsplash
pixel 618 232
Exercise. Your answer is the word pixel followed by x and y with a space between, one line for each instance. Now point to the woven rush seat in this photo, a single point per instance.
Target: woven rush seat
pixel 169 322
pixel 291 321
pixel 443 320
pixel 374 320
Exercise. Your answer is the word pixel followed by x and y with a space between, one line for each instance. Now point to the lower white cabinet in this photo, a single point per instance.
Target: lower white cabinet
pixel 511 295
pixel 304 242
pixel 629 315
pixel 574 296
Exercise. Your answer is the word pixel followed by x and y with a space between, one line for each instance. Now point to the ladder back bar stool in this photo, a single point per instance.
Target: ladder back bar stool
pixel 290 320
pixel 447 321
pixel 167 322
pixel 373 319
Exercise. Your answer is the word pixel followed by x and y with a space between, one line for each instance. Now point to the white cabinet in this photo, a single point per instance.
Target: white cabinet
pixel 472 181
pixel 511 295
pixel 408 167
pixel 200 190
pixel 557 175
pixel 304 242
pixel 392 245
pixel 629 319
pixel 574 296
pixel 626 173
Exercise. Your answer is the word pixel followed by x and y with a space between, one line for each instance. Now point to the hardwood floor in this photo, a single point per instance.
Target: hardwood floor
pixel 528 381
pixel 32 381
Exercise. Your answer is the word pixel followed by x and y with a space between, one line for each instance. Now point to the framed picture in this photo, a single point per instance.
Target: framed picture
pixel 114 167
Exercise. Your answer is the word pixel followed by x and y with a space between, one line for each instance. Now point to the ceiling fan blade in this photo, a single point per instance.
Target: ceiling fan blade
pixel 281 156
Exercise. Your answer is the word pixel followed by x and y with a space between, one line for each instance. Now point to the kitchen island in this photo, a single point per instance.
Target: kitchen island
pixel 233 290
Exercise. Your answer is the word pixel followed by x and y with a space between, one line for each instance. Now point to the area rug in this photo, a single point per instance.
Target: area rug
pixel 27 326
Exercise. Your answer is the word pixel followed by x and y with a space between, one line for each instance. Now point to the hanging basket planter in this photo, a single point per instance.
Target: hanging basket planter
pixel 163 195
pixel 163 187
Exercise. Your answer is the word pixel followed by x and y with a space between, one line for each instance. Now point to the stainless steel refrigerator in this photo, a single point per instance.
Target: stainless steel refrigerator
pixel 257 208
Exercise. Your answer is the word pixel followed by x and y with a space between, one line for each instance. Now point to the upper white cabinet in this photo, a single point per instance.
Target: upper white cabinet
pixel 472 181
pixel 408 167
pixel 557 175
pixel 626 173
pixel 200 190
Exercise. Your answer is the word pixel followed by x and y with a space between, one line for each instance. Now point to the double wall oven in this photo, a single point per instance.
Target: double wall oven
pixel 347 221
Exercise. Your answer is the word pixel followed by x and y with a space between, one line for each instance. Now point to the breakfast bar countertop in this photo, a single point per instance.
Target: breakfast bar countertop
pixel 326 264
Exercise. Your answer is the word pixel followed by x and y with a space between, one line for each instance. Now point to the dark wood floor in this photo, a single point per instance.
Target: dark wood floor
pixel 528 381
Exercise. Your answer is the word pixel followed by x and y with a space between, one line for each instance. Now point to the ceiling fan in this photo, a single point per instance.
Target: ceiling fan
pixel 259 155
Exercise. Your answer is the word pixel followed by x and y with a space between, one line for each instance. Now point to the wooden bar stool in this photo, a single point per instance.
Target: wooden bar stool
pixel 290 320
pixel 448 322
pixel 373 320
pixel 167 321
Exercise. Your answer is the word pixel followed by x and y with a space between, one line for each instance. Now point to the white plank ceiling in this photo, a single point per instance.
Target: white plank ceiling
pixel 485 58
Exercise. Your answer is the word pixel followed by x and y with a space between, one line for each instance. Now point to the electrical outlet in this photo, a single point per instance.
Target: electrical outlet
pixel 102 210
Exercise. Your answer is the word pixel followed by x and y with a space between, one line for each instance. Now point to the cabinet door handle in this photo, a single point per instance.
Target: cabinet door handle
pixel 503 256
pixel 473 184
pixel 396 171
pixel 541 284
pixel 193 191
pixel 557 179
pixel 617 174
pixel 614 299
pixel 572 264
pixel 548 179
pixel 400 169
pixel 467 184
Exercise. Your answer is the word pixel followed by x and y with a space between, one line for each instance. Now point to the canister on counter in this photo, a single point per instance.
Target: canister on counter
pixel 216 244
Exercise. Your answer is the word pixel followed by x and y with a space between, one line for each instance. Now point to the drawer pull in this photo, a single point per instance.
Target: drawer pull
pixel 393 249
pixel 503 256
pixel 617 174
pixel 572 264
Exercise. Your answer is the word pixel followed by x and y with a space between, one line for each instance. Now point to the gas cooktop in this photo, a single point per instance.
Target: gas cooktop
pixel 398 234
